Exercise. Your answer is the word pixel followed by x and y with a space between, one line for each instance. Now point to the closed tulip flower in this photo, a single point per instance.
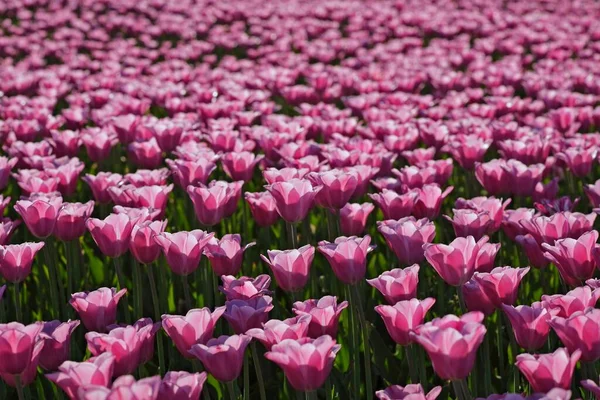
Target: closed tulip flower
pixel 530 324
pixel 71 218
pixel 142 245
pixel 591 386
pixel 476 298
pixel 395 205
pixel 240 166
pixel 245 288
pixel 306 362
pixel 16 260
pixel 409 392
pixel 183 250
pixel 325 315
pixel 580 331
pixel 112 234
pixel 196 326
pixel 262 207
pixel 74 375
pixel 223 357
pixel 274 331
pixel 40 214
pixel 403 317
pixel 574 258
pixel 486 257
pixel 451 343
pixel 243 315
pixel 57 343
pixel 495 207
pixel 226 254
pixel 471 223
pixel 397 284
pixel 455 262
pixel 501 284
pixel 429 201
pixel 123 388
pixel 291 267
pixel 353 218
pixel 406 237
pixel 545 372
pixel 182 385
pixel 100 183
pixel 293 198
pixel 210 203
pixel 18 342
pixel 575 300
pixel 97 309
pixel 7 227
pixel 347 256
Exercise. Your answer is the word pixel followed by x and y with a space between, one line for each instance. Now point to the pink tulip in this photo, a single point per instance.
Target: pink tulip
pixel 239 166
pixel 182 385
pixel 429 201
pixel 57 343
pixel 575 300
pixel 223 357
pixel 40 215
pixel 16 260
pixel 123 388
pixel 243 315
pixel 226 255
pixel 451 343
pixel 467 150
pixel 492 176
pixel 476 298
pixel 137 215
pixel 274 331
pixel 273 175
pixel 291 267
pixel 6 165
pixel 193 172
pixel 591 386
pixel 100 183
pixel 548 371
pixel 406 237
pixel 353 218
pixel 471 223
pixel 29 374
pixel 183 250
pixel 196 326
pixel 397 284
pixel 306 362
pixel 579 161
pixel 530 324
pixel 142 244
pixel 18 343
pixel 337 187
pixel 262 207
pixel 574 258
pixel 511 221
pixel 408 392
pixel 97 309
pixel 210 202
pixel 495 207
pixel 347 256
pixel 71 218
pixel 244 288
pixel 394 205
pixel 112 234
pixel 293 198
pixel 325 315
pixel 580 331
pixel 593 193
pixel 456 262
pixel 74 375
pixel 403 317
pixel 501 284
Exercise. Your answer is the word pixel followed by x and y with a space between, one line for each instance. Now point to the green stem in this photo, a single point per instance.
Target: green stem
pixel 19 387
pixel 259 375
pixel 17 294
pixel 412 365
pixel 157 318
pixel 293 235
pixel 54 296
pixel 70 267
pixel 231 390
pixel 246 377
pixel 488 368
pixel 328 389
pixel 121 278
pixel 186 292
pixel 366 344
pixel 460 390
pixel 138 301
pixel 312 395
pixel 355 347
pixel 461 299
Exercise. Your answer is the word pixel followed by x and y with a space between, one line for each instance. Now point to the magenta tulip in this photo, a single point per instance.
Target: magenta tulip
pixel 548 371
pixel 274 331
pixel 182 385
pixel 222 357
pixel 347 256
pixel 74 375
pixel 397 284
pixel 183 250
pixel 403 317
pixel 530 324
pixel 16 260
pixel 226 254
pixel 409 392
pixel 456 262
pixel 57 343
pixel 293 198
pixel 325 315
pixel 97 309
pixel 111 234
pixel 196 326
pixel 291 267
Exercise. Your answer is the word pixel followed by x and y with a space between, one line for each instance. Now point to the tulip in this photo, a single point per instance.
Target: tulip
pixel 353 218
pixel 530 324
pixel 40 214
pixel 406 237
pixel 18 343
pixel 222 357
pixel 239 166
pixel 591 386
pixel 273 175
pixel 347 257
pixel 244 288
pixel 574 258
pixel 28 376
pixel 394 205
pixel 182 385
pixel 593 193
pixel 196 326
pixel 210 202
pixel 337 187
pixel 57 343
pixel 142 244
pixel 495 207
pixel 306 362
pixel 408 392
pixel 511 221
pixel 74 375
pixel 183 250
pixel 403 317
pixel 575 300
pixel 291 267
pixel 6 165
pixel 7 228
pixel 429 201
pixel 476 298
pixel 274 331
pixel 471 223
pixel 97 309
pixel 397 284
pixel 293 198
pixel 112 234
pixel 16 260
pixel 100 183
pixel 579 161
pixel 548 371
pixel 456 262
pixel 451 343
pixel 71 220
pixel 226 255
pixel 262 207
pixel 243 315
pixel 123 388
pixel 193 172
pixel 580 331
pixel 325 315
pixel 501 284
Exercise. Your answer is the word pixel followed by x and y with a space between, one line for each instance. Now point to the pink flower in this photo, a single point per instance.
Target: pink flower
pixel 226 255
pixel 548 371
pixel 429 201
pixel 291 267
pixel 142 245
pixel 244 288
pixel 182 385
pixel 6 165
pixel 591 386
pixel 408 392
pixel 196 326
pixel 451 343
pixel 580 331
pixel 18 343
pixel 511 221
pixel 574 258
pixel 530 324
pixel 210 203
pixel 492 176
pixel 243 315
pixel 579 160
pixel 306 362
pixel 183 250
pixel 112 234
pixel 325 315
pixel 16 260
pixel 471 223
pixel 123 388
pixel 495 207
pixel 273 175
pixel 223 357
pixel 575 300
pixel 193 172
pixel 395 205
pixel 40 214
pixel 74 375
pixel 337 187
pixel 239 166
pixel 262 207
pixel 476 298
pixel 397 284
pixel 501 284
pixel 97 309
pixel 403 317
pixel 353 218
pixel 100 183
pixel 347 256
pixel 456 262
pixel 486 257
pixel 57 343
pixel 593 193
pixel 71 218
pixel 293 198
pixel 407 236
pixel 274 331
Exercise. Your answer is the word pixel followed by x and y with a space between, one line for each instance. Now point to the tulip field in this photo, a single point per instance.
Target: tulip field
pixel 299 199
